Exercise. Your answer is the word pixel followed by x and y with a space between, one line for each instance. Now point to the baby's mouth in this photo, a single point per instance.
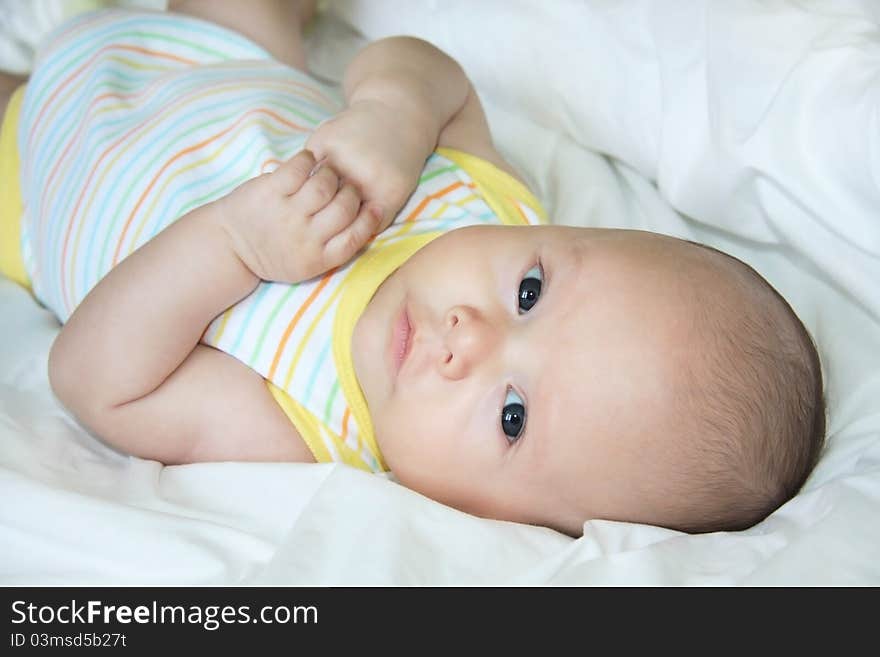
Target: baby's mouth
pixel 401 340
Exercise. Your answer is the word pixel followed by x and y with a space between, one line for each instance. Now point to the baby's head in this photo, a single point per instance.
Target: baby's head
pixel 551 375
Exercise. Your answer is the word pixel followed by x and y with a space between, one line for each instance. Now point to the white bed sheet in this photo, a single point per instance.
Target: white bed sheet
pixel 756 121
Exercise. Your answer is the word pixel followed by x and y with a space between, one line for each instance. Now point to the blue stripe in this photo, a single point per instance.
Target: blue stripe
pixel 174 206
pixel 261 291
pixel 42 83
pixel 156 145
pixel 62 203
pixel 66 56
pixel 319 362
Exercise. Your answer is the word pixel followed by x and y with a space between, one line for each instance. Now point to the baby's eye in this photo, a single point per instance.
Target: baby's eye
pixel 513 416
pixel 530 289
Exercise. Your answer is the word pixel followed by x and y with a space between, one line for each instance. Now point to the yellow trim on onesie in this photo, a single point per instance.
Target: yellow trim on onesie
pixel 11 205
pixel 499 188
pixel 365 278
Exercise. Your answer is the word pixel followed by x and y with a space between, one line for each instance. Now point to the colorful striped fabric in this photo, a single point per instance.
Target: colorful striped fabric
pixel 132 119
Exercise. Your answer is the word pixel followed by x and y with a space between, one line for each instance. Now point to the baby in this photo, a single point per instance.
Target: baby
pixel 368 281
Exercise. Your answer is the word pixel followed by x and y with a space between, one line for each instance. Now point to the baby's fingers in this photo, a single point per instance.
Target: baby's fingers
pixel 340 248
pixel 318 191
pixel 338 214
pixel 292 174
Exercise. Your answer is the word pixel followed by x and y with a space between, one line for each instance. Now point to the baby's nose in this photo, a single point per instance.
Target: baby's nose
pixel 468 339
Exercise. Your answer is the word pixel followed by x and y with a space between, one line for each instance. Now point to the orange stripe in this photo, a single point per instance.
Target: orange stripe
pixel 126 96
pixel 304 340
pixel 436 195
pixel 136 94
pixel 79 200
pixel 295 320
pixel 190 149
pixel 521 213
pixel 87 63
pixel 82 126
pixel 222 327
pixel 83 191
pixel 345 417
pixel 267 127
pixel 92 173
pixel 161 55
pixel 421 206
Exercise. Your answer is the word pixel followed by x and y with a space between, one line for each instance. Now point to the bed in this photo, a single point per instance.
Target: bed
pixel 751 126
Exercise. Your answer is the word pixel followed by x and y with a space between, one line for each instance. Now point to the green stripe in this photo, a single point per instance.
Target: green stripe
pixel 151 166
pixel 436 173
pixel 223 190
pixel 111 86
pixel 110 38
pixel 103 146
pixel 329 405
pixel 269 323
pixel 189 44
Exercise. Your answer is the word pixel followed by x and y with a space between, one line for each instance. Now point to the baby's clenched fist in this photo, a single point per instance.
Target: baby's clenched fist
pixel 298 221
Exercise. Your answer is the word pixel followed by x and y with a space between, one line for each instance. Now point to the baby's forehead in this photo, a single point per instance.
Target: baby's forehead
pixel 601 408
pixel 635 272
pixel 610 246
pixel 616 333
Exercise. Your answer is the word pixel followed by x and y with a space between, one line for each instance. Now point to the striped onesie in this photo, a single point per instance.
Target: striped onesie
pixel 132 119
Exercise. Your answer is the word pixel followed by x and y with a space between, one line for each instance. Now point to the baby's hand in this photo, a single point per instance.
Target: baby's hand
pixel 380 149
pixel 296 222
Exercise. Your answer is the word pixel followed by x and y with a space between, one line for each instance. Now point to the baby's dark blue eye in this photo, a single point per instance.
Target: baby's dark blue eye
pixel 513 416
pixel 530 289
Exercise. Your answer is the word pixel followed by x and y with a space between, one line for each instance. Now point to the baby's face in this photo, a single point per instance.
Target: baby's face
pixel 522 373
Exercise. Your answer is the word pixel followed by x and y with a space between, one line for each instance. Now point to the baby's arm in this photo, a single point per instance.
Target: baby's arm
pixel 405 98
pixel 128 363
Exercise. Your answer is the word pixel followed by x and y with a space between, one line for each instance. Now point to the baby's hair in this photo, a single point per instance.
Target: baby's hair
pixel 755 394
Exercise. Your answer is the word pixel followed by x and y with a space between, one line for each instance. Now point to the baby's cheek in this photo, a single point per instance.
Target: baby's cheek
pixel 392 424
pixel 410 432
